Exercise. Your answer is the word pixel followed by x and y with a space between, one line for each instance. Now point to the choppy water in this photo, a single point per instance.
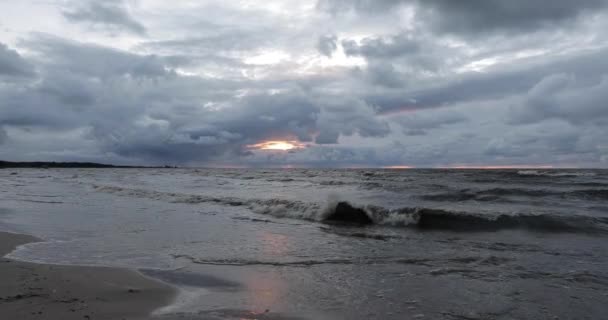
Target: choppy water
pixel 251 244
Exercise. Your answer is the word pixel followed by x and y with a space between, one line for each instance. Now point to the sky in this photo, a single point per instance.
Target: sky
pixel 305 83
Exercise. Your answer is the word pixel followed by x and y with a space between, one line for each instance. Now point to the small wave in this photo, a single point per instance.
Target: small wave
pixel 459 196
pixel 431 219
pixel 40 201
pixel 592 184
pixel 37 195
pixel 276 207
pixel 281 180
pixel 461 262
pixel 359 234
pixel 303 263
pixel 333 183
pixel 580 277
pixel 421 218
pixel 493 194
pixel 252 220
pixel 500 194
pixel 596 194
pixel 538 173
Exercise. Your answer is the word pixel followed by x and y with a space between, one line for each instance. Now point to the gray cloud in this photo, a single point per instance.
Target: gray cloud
pixel 327 45
pixel 382 47
pixel 419 124
pixel 564 97
pixel 110 15
pixel 553 139
pixel 412 53
pixel 476 16
pixel 494 84
pixel 3 135
pixel 136 106
pixel 12 64
pixel 410 82
pixel 348 117
pixel 219 39
pixel 215 133
pixel 95 60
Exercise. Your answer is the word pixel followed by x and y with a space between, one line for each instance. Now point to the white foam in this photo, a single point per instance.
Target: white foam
pixel 186 297
pixel 555 174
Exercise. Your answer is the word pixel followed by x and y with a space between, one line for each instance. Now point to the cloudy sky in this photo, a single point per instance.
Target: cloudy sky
pixel 319 83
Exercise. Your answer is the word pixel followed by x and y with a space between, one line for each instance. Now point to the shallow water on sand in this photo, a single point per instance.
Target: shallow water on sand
pixel 251 244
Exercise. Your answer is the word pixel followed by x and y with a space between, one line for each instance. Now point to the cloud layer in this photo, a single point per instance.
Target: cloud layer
pixel 360 83
pixel 109 15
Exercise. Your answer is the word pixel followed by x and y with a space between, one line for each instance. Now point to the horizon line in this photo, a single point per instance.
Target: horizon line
pixel 22 164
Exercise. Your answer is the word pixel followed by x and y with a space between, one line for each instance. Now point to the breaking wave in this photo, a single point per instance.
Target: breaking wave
pixel 303 263
pixel 539 173
pixel 496 194
pixel 336 211
pixel 446 220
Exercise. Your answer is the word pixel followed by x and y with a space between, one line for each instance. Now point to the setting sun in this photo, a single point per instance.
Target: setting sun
pixel 278 145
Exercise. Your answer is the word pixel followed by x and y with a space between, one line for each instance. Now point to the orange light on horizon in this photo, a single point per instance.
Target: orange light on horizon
pixel 278 145
pixel 398 167
pixel 499 167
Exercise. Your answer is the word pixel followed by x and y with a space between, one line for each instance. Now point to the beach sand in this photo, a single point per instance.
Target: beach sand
pixel 37 291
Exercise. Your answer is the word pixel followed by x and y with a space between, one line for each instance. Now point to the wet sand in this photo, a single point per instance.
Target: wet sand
pixel 36 291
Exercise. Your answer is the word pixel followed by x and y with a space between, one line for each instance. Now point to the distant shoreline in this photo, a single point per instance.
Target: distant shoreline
pixel 95 165
pixel 48 164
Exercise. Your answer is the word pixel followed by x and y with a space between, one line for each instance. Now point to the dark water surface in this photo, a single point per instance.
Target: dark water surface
pixel 251 244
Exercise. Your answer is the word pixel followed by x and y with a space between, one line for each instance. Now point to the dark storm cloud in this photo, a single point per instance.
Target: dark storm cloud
pixel 98 61
pixel 79 84
pixel 3 135
pixel 388 82
pixel 137 106
pixel 363 6
pixel 111 15
pixel 215 133
pixel 160 144
pixel 416 124
pixel 108 92
pixel 277 115
pixel 395 61
pixel 348 117
pixel 385 74
pixel 12 64
pixel 374 47
pixel 562 96
pixel 415 54
pixel 494 83
pixel 552 139
pixel 477 16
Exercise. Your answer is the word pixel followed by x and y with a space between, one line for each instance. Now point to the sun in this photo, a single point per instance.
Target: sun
pixel 278 145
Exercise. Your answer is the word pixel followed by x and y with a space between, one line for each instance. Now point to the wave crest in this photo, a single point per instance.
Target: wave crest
pixel 539 173
pixel 503 194
pixel 421 218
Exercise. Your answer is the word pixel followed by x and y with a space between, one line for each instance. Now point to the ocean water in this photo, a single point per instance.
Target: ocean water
pixel 254 244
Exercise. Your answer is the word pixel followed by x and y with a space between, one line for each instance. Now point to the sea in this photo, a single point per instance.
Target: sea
pixel 263 244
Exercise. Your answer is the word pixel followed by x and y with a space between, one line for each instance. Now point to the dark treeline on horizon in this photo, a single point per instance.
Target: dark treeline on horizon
pixel 44 164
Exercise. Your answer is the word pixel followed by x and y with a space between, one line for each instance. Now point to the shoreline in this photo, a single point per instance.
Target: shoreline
pixel 41 291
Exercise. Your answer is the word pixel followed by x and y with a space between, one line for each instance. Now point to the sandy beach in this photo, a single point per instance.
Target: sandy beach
pixel 35 291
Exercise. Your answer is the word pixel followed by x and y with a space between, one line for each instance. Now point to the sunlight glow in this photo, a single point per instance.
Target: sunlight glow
pixel 278 145
pixel 499 167
pixel 269 57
